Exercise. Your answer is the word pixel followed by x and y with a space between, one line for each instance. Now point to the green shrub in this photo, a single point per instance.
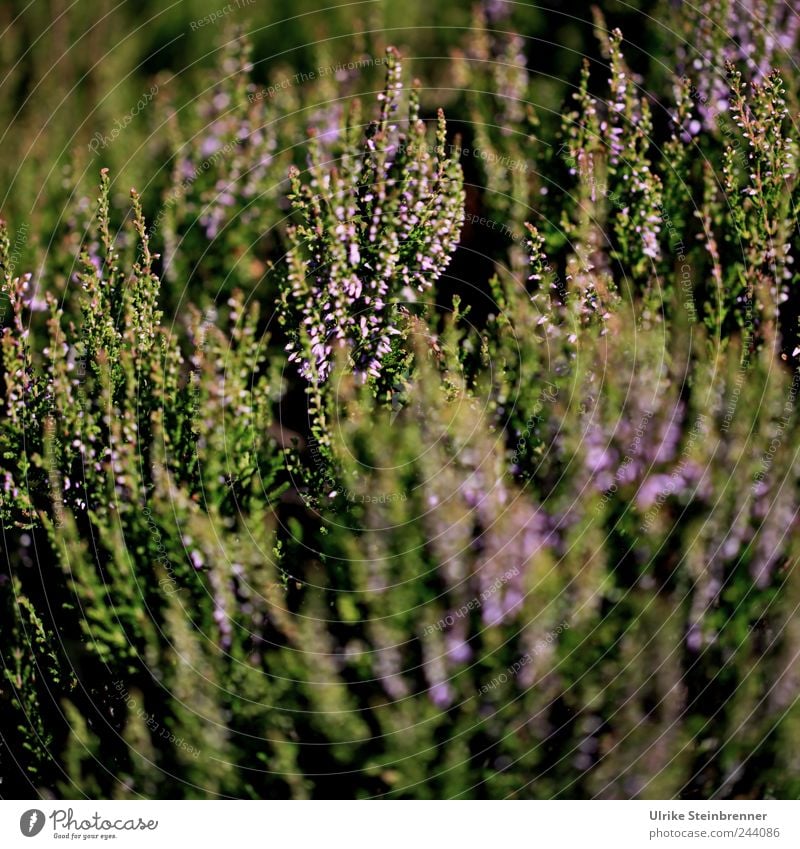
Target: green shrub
pixel 537 539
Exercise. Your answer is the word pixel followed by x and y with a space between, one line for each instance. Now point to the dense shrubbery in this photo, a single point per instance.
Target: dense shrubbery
pixel 346 472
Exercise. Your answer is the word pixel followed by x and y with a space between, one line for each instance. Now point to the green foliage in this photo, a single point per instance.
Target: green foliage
pixel 290 511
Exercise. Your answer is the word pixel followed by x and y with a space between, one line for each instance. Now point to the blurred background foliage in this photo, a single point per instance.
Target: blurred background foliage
pixel 73 69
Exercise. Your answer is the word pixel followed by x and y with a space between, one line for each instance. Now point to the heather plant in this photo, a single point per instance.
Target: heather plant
pixel 516 591
pixel 110 430
pixel 493 72
pixel 373 233
pixel 228 162
pixel 301 498
pixel 756 37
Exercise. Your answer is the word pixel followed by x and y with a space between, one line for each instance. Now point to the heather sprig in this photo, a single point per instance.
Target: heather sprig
pixel 499 98
pixel 607 147
pixel 373 233
pixel 747 212
pixel 229 162
pixel 759 188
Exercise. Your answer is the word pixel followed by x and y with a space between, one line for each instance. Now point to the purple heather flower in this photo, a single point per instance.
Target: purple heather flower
pixel 388 669
pixel 653 487
pixel 458 651
pixel 496 10
pixel 441 694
